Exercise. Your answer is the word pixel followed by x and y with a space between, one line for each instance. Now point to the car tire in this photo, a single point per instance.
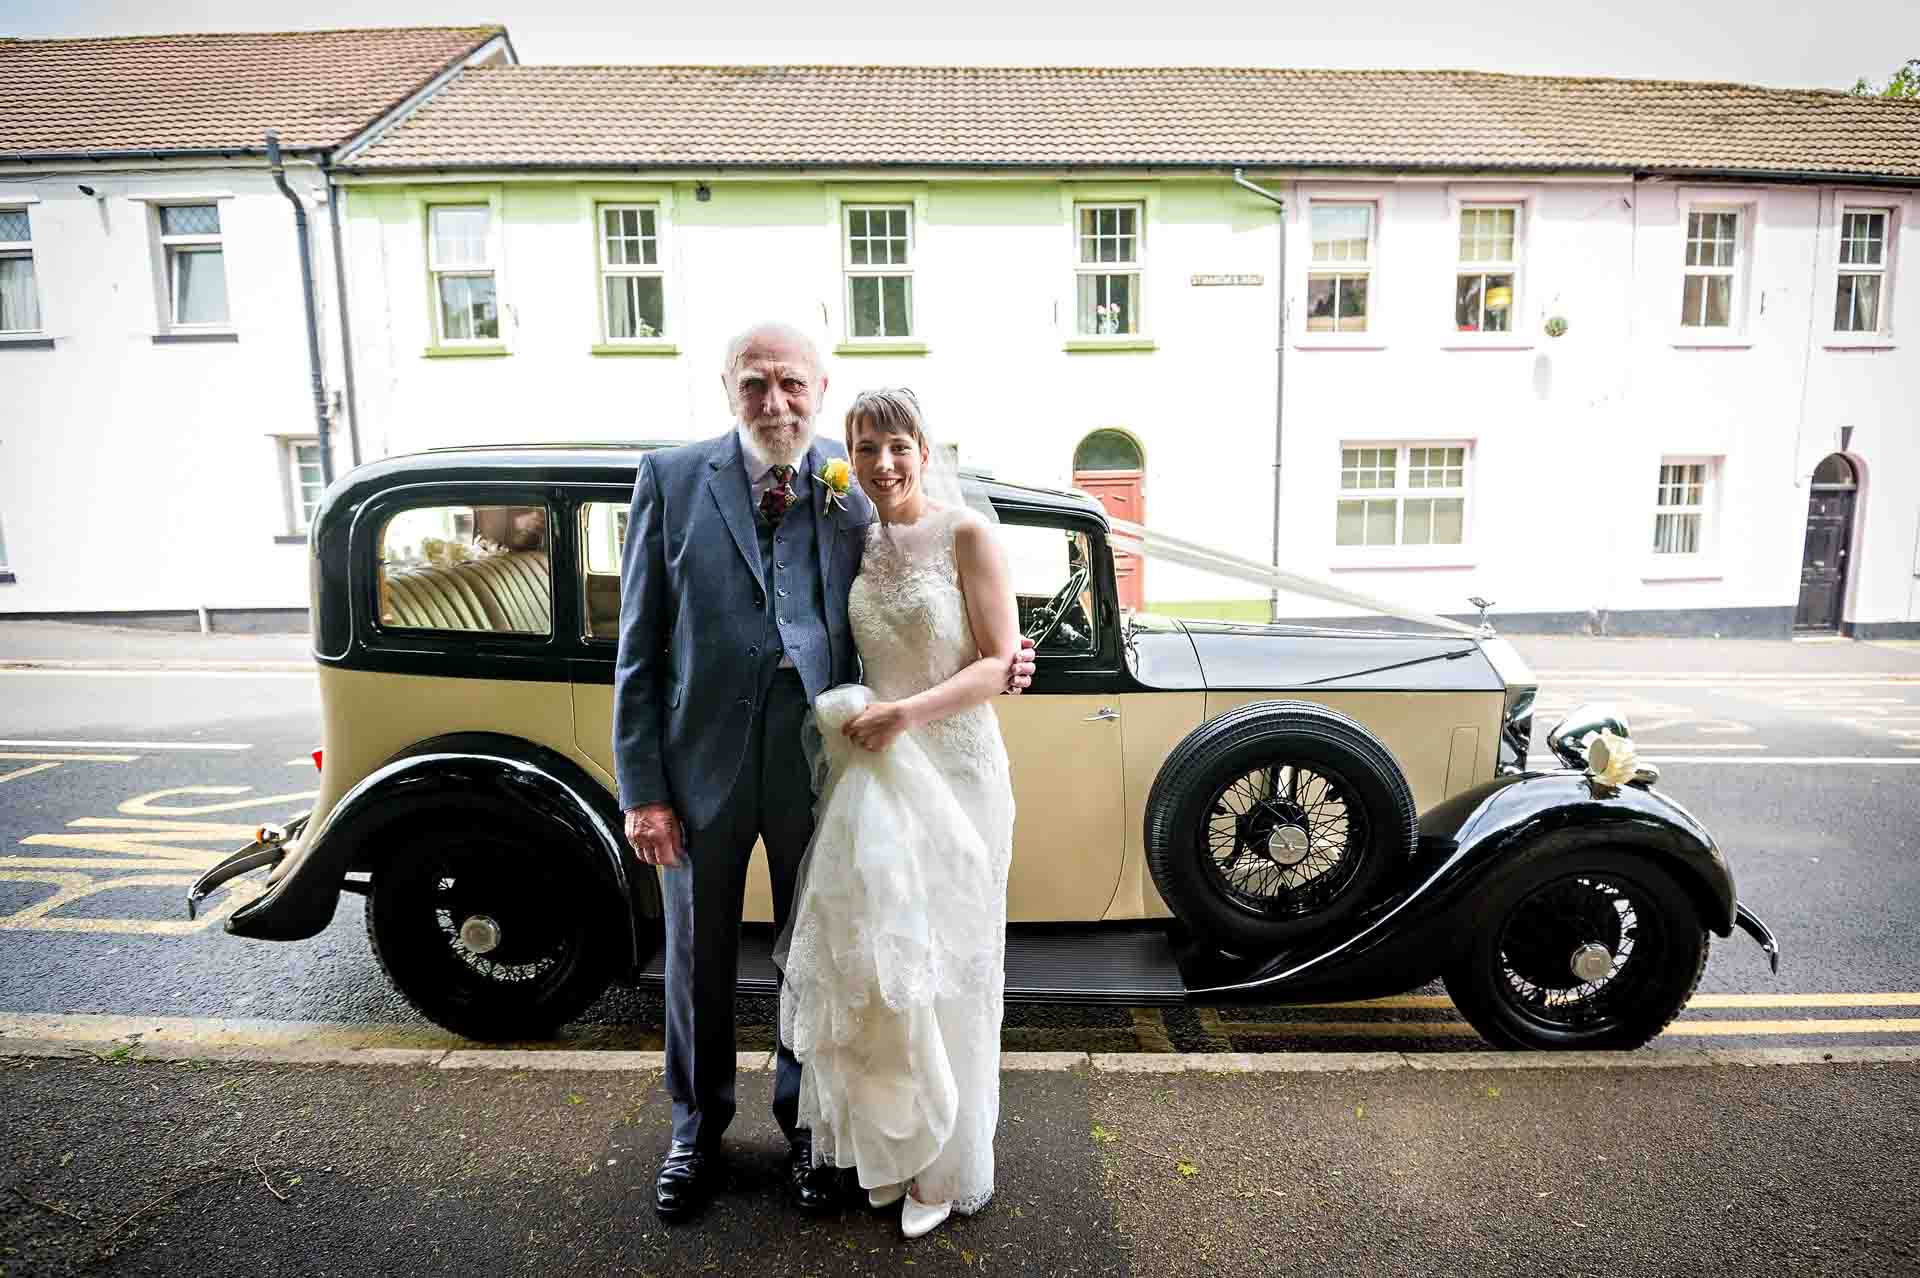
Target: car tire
pixel 488 933
pixel 1515 982
pixel 1274 821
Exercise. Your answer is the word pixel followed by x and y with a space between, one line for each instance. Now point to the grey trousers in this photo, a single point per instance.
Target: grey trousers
pixel 772 800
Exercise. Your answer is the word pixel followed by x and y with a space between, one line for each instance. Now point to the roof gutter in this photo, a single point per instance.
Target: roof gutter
pixel 1279 370
pixel 306 295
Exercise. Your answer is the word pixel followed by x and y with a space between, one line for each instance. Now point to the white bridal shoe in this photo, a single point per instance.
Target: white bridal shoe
pixel 886 1195
pixel 917 1218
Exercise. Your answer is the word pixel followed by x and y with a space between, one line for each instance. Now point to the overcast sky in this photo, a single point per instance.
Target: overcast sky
pixel 1761 42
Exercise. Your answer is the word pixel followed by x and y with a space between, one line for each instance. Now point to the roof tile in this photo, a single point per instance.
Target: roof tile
pixel 627 116
pixel 214 91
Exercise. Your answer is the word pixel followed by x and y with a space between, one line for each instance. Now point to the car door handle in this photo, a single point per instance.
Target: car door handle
pixel 1101 715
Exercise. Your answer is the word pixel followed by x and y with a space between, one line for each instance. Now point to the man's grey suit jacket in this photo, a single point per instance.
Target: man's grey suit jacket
pixel 692 605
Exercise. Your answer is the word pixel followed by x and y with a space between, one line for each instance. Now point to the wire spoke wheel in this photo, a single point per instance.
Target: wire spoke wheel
pixel 1284 839
pixel 488 934
pixel 1565 918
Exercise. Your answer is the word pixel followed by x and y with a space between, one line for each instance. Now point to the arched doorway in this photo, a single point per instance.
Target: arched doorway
pixel 1109 465
pixel 1823 563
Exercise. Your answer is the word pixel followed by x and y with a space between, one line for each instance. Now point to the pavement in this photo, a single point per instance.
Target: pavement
pixel 57 644
pixel 482 1163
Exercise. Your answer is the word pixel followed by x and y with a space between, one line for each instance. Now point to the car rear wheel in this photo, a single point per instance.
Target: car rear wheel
pixel 1592 950
pixel 487 933
pixel 1273 821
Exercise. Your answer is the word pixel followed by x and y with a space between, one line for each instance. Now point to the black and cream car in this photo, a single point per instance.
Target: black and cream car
pixel 1208 812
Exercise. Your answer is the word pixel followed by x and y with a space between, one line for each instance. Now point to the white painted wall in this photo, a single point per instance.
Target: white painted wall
pixel 137 476
pixel 1567 434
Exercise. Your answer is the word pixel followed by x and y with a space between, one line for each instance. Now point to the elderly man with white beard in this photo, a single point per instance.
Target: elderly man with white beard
pixel 733 618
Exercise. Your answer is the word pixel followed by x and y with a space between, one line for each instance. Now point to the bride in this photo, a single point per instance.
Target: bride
pixel 895 956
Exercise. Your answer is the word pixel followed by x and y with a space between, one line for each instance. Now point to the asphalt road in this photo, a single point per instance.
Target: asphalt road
pixel 116 788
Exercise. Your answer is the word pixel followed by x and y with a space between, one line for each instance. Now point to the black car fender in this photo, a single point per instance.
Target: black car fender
pixel 1416 930
pixel 434 780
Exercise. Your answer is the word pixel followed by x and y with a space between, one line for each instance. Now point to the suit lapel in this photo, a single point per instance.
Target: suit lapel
pixel 732 493
pixel 826 527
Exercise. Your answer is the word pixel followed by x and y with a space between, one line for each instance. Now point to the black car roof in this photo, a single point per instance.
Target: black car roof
pixel 615 462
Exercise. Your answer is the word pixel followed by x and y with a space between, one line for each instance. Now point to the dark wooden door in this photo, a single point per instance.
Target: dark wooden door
pixel 1823 565
pixel 1123 493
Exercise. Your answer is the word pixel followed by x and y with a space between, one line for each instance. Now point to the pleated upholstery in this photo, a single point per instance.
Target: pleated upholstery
pixel 507 593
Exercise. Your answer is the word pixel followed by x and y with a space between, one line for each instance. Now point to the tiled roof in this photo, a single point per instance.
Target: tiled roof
pixel 922 116
pixel 212 92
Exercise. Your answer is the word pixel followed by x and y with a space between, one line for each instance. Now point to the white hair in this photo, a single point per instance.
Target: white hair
pixel 775 329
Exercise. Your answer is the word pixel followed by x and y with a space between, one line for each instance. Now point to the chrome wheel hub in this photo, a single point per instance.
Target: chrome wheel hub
pixel 1287 845
pixel 480 934
pixel 1591 962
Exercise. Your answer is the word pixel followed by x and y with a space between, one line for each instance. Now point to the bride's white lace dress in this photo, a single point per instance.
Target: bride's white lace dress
pixel 895 963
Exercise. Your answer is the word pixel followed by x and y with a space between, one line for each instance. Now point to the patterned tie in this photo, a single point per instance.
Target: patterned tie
pixel 775 501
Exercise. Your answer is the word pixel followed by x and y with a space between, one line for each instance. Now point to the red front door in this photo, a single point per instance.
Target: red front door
pixel 1121 492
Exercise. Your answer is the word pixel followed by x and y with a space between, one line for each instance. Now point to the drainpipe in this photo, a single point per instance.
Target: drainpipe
pixel 1279 372
pixel 306 295
pixel 334 194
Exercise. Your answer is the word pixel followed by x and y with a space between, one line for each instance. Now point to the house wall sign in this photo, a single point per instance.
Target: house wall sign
pixel 1214 281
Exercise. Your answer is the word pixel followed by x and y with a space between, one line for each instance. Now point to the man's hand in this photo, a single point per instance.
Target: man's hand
pixel 1020 671
pixel 656 834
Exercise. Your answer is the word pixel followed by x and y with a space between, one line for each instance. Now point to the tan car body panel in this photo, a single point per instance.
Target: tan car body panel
pixel 1079 852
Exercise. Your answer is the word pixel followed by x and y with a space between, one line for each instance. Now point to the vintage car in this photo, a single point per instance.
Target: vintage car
pixel 1207 812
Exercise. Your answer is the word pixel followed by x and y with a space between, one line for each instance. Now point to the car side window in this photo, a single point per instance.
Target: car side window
pixel 603 539
pixel 1053 585
pixel 485 568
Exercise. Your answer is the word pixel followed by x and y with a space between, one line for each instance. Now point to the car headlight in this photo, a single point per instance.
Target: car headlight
pixel 1516 728
pixel 1568 740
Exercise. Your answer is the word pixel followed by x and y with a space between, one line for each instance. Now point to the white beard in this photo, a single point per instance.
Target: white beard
pixel 783 453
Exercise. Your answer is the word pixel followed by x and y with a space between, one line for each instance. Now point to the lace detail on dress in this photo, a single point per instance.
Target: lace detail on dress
pixel 897 955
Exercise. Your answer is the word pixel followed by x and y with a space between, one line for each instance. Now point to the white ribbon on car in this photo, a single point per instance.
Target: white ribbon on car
pixel 1136 539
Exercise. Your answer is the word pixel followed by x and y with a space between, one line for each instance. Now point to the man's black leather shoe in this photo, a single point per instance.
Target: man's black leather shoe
pixel 688 1176
pixel 816 1191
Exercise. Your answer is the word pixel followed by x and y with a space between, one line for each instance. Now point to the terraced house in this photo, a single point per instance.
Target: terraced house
pixel 1608 353
pixel 163 407
pixel 1624 355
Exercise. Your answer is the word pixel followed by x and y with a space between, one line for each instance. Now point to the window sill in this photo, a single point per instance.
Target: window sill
pixel 668 349
pixel 1111 344
pixel 25 342
pixel 290 539
pixel 1339 342
pixel 1843 342
pixel 881 348
pixel 1421 557
pixel 1710 342
pixel 1688 569
pixel 1486 342
pixel 187 337
pixel 463 352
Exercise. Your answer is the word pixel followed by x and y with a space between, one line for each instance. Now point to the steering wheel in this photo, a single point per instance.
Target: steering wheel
pixel 1048 616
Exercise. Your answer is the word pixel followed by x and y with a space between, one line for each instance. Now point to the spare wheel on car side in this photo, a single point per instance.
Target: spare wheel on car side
pixel 1274 820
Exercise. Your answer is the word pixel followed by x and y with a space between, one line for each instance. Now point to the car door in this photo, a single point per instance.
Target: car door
pixel 1064 733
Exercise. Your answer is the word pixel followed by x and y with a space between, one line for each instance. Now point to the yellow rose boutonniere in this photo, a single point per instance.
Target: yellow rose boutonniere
pixel 836 475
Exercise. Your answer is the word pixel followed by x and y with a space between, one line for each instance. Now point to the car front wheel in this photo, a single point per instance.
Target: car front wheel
pixel 1591 950
pixel 489 934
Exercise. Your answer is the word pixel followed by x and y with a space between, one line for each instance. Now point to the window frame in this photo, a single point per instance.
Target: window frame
pixel 292 488
pixel 606 271
pixel 1685 563
pixel 1513 266
pixel 493 649
pixel 172 246
pixel 437 308
pixel 24 249
pixel 1749 208
pixel 850 271
pixel 1401 553
pixel 1365 270
pixel 1895 206
pixel 1137 205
